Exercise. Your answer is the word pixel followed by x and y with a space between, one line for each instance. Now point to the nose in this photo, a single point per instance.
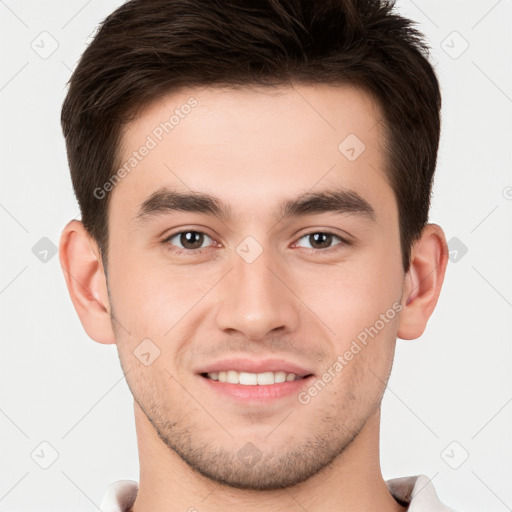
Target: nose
pixel 257 300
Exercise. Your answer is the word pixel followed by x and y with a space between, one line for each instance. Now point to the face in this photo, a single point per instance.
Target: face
pixel 292 264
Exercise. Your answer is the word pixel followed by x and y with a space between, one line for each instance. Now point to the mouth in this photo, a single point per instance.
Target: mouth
pixel 248 380
pixel 254 388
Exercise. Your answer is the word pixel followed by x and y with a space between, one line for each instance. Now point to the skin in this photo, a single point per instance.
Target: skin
pixel 253 149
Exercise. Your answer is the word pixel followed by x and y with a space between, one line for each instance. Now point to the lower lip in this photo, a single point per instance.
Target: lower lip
pixel 257 393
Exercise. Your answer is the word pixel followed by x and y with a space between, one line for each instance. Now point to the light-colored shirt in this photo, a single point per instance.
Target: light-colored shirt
pixel 416 492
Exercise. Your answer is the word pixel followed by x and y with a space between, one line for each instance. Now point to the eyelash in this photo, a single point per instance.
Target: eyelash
pixel 192 252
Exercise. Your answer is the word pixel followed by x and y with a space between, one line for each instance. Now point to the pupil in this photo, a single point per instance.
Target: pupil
pixel 188 238
pixel 327 238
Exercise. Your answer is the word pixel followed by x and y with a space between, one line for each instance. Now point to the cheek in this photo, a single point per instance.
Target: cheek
pixel 150 297
pixel 353 294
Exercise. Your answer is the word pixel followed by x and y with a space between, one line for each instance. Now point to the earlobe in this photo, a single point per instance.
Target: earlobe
pixel 85 280
pixel 423 282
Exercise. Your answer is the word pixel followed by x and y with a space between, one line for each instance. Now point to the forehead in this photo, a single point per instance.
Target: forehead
pixel 250 146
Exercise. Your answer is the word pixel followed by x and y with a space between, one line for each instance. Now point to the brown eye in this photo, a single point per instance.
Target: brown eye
pixel 187 241
pixel 321 240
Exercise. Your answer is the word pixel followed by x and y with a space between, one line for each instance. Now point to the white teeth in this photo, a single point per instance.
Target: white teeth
pixel 232 377
pixel 252 379
pixel 280 377
pixel 263 378
pixel 249 379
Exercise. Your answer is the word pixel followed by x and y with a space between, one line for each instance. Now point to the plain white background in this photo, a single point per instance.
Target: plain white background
pixel 447 412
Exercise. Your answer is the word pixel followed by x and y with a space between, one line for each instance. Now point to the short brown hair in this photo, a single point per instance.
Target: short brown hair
pixel 148 48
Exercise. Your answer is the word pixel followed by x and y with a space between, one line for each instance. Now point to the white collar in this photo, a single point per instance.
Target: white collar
pixel 416 491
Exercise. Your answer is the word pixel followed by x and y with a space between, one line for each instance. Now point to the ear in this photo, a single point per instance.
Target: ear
pixel 423 281
pixel 81 263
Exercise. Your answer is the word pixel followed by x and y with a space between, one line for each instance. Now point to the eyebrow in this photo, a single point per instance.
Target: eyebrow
pixel 338 201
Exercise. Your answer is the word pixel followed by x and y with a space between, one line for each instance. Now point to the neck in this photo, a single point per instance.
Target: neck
pixel 353 481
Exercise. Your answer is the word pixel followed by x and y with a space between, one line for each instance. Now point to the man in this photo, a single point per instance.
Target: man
pixel 254 180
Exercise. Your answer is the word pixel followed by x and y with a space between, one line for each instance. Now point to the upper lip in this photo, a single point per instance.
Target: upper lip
pixel 256 366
